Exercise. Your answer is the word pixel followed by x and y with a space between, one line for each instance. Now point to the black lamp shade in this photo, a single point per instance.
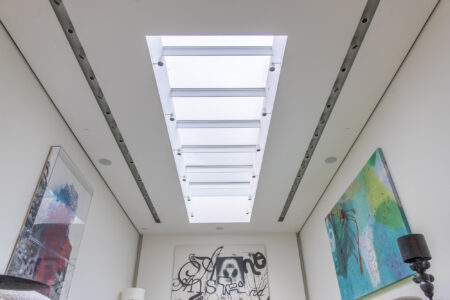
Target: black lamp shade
pixel 20 284
pixel 413 247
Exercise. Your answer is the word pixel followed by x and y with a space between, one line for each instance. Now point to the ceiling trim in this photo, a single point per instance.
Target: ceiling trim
pixel 355 45
pixel 80 55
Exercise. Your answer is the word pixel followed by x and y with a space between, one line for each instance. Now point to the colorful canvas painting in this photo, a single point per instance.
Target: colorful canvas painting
pixel 363 228
pixel 47 247
pixel 220 273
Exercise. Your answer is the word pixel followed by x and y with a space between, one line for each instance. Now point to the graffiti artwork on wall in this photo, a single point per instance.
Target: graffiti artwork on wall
pixel 220 273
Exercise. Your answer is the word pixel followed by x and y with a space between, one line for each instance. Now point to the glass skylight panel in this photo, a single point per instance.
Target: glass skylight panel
pixel 217 95
pixel 219 185
pixel 224 41
pixel 218 136
pixel 218 108
pixel 217 71
pixel 219 177
pixel 219 159
pixel 219 149
pixel 219 192
pixel 219 210
pixel 219 169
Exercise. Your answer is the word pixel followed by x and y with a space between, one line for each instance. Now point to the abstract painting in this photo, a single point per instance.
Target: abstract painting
pixel 220 273
pixel 363 228
pixel 48 244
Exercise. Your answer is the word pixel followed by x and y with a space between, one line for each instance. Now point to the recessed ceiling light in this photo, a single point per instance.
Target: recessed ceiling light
pixel 331 159
pixel 217 95
pixel 105 161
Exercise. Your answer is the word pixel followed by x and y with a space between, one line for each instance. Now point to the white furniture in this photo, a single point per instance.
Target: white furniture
pixel 133 294
pixel 22 295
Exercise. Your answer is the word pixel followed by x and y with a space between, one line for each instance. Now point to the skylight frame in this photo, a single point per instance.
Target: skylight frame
pixel 157 54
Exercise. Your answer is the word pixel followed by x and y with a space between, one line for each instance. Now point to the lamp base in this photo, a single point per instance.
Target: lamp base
pixel 423 279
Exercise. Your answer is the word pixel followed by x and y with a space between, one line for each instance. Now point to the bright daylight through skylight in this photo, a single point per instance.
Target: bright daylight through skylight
pixel 217 95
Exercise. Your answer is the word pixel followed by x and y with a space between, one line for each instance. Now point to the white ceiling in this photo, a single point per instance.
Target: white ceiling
pixel 113 36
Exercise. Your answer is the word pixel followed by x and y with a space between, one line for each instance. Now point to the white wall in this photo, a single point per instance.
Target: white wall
pixel 283 262
pixel 29 125
pixel 412 126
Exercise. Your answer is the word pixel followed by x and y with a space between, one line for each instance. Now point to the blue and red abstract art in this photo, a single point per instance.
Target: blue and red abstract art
pixel 47 247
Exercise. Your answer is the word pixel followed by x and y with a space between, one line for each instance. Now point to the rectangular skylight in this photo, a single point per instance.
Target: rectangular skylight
pixel 217 94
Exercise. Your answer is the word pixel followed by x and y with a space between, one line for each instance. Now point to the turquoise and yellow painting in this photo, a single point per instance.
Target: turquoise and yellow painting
pixel 363 228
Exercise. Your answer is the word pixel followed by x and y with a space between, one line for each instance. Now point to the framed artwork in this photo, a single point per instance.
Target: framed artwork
pixel 363 228
pixel 48 244
pixel 220 273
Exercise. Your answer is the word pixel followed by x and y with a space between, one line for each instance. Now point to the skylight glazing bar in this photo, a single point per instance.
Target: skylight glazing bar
pixel 217 51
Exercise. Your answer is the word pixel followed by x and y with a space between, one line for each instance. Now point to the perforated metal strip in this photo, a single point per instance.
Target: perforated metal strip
pixel 75 44
pixel 358 37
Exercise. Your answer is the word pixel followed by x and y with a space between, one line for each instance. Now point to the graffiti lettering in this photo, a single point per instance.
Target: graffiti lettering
pixel 222 277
